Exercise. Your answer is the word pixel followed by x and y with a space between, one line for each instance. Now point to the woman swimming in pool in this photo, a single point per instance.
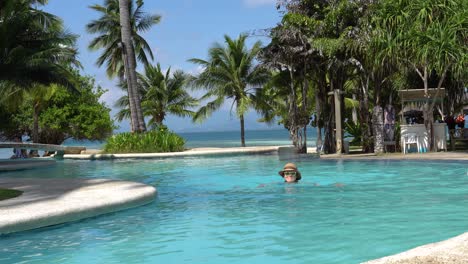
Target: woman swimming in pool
pixel 290 173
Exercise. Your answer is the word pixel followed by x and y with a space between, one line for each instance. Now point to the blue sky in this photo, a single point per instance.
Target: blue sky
pixel 187 30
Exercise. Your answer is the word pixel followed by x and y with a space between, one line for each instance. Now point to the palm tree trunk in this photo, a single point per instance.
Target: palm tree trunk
pixel 242 130
pixel 364 113
pixel 428 114
pixel 318 106
pixel 131 103
pixel 329 145
pixel 319 102
pixel 292 112
pixel 330 135
pixel 377 123
pixel 305 87
pixel 159 118
pixel 377 116
pixel 130 66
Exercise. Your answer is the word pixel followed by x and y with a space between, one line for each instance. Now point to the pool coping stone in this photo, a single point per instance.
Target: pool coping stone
pixel 190 152
pixel 53 201
pixel 453 250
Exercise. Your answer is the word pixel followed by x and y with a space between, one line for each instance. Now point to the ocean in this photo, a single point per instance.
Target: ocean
pixel 220 139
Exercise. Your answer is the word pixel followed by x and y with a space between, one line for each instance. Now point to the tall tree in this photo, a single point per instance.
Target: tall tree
pixel 39 96
pixel 138 122
pixel 62 113
pixel 108 26
pixel 288 54
pixel 34 47
pixel 109 38
pixel 428 36
pixel 165 94
pixel 230 72
pixel 35 54
pixel 162 93
pixel 313 39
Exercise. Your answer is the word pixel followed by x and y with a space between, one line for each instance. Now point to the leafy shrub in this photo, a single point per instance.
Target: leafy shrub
pixel 160 140
pixel 353 131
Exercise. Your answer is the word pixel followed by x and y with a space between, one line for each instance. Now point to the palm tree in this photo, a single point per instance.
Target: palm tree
pixel 35 52
pixel 115 51
pixel 138 122
pixel 165 95
pixel 110 38
pixel 161 94
pixel 230 73
pixel 39 97
pixel 34 48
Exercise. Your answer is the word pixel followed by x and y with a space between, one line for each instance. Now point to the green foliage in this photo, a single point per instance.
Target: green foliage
pixel 350 104
pixel 299 20
pixel 65 114
pixel 34 47
pixel 230 72
pixel 154 141
pixel 353 131
pixel 162 93
pixel 109 39
pixel 78 115
pixel 8 194
pixel 272 102
pixel 425 33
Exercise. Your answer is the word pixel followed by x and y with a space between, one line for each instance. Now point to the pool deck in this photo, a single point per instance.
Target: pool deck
pixel 458 155
pixel 453 251
pixel 47 202
pixel 189 152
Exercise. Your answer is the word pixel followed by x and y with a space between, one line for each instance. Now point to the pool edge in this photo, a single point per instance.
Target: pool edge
pixel 86 198
pixel 453 250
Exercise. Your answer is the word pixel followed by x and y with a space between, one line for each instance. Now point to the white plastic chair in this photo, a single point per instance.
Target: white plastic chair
pixel 408 140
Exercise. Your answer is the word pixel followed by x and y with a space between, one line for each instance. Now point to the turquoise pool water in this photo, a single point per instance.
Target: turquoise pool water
pixel 235 209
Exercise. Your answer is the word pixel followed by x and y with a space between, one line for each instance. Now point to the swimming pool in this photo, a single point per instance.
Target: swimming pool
pixel 235 209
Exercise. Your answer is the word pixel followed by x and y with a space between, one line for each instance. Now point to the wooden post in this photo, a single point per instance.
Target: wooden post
pixel 339 130
pixel 354 114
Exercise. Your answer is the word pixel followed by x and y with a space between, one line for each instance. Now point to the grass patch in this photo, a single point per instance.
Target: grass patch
pixel 8 194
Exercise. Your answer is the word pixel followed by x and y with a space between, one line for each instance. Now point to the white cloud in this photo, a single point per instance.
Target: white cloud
pixel 257 3
pixel 197 70
pixel 113 92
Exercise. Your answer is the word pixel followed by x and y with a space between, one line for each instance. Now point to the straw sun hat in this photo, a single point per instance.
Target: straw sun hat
pixel 290 167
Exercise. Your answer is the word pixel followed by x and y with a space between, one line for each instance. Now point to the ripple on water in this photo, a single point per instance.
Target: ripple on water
pixel 237 210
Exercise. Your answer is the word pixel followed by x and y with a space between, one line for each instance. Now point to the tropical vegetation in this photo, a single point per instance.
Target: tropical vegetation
pixel 230 73
pixel 326 58
pixel 157 140
pixel 162 93
pixel 42 92
pixel 34 47
pixel 53 114
pixel 122 45
pixel 363 50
